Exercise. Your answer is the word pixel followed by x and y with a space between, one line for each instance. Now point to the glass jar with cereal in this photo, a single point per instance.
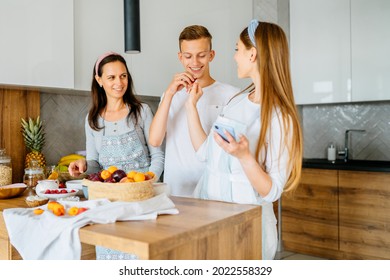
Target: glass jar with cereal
pixel 5 168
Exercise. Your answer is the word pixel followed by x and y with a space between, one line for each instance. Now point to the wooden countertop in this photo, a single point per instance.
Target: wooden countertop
pixel 203 229
pixel 199 222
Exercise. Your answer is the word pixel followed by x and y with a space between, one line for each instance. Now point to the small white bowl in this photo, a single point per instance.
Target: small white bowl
pixel 74 184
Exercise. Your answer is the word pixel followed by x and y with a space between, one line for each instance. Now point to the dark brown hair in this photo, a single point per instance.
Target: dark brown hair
pixel 99 98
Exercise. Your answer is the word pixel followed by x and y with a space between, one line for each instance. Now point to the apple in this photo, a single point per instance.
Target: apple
pixel 81 210
pixel 118 175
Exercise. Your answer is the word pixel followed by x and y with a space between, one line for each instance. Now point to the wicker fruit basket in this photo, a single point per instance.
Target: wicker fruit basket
pixel 136 191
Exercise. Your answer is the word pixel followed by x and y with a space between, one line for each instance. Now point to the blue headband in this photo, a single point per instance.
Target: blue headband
pixel 252 29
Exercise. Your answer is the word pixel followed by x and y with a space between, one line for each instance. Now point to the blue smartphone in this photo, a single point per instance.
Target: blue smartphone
pixel 219 128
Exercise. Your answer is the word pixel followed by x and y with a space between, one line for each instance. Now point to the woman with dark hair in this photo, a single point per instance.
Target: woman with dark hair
pixel 117 130
pixel 117 126
pixel 261 156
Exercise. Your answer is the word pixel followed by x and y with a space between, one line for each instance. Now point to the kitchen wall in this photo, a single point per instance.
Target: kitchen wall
pixel 64 114
pixel 325 124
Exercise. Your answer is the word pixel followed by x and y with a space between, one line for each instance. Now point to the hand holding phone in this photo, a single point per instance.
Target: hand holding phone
pixel 221 128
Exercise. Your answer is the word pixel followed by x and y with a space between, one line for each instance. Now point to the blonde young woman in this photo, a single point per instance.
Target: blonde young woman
pixel 263 157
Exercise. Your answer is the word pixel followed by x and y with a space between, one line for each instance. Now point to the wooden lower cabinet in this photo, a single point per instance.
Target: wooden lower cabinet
pixel 337 214
pixel 364 214
pixel 16 103
pixel 310 214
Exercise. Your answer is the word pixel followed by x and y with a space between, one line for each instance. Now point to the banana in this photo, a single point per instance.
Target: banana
pixel 66 160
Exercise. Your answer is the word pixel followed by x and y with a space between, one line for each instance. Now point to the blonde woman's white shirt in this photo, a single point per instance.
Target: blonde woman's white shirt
pixel 224 178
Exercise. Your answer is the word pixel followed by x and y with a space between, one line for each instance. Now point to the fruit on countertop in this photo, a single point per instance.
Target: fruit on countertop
pixel 73 211
pixel 34 139
pixel 57 208
pixel 58 191
pixel 120 176
pixel 38 211
pixel 139 177
pixel 81 210
pixel 66 160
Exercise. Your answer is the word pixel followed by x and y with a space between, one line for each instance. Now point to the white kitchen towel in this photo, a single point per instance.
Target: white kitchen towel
pixel 49 237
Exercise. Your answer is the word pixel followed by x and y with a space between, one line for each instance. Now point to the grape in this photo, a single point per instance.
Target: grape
pixel 94 177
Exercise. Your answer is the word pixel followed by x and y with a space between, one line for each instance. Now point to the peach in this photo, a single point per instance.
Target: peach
pixel 73 211
pixel 58 209
pixel 105 174
pixel 139 177
pixel 38 211
pixel 51 204
pixel 131 174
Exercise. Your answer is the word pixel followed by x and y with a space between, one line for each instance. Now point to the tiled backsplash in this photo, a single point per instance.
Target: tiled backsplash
pixel 325 124
pixel 64 117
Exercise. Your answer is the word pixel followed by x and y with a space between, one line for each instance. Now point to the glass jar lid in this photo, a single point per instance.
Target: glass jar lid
pixel 34 168
pixel 4 158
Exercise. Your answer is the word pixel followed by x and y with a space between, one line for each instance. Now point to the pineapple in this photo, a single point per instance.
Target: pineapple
pixel 34 138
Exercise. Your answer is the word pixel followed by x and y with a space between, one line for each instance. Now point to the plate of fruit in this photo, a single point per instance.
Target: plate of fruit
pixel 58 193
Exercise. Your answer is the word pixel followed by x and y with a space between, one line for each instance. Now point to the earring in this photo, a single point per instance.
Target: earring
pixel 101 85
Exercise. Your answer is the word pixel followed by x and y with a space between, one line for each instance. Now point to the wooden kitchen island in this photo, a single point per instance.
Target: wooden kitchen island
pixel 203 230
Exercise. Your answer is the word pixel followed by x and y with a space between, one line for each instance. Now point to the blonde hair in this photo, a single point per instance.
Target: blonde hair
pixel 276 93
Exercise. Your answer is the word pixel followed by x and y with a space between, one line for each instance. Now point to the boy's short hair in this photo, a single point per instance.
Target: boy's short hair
pixel 194 32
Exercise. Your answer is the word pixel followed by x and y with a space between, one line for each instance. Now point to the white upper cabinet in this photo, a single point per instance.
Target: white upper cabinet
pixel 37 43
pixel 339 50
pixel 99 27
pixel 55 43
pixel 370 33
pixel 320 51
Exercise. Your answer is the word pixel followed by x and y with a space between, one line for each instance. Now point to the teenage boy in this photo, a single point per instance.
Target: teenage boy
pixel 182 169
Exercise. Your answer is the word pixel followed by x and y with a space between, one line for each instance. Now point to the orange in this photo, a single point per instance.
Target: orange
pixel 38 211
pixel 131 174
pixel 112 169
pixel 139 177
pixel 105 174
pixel 73 211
